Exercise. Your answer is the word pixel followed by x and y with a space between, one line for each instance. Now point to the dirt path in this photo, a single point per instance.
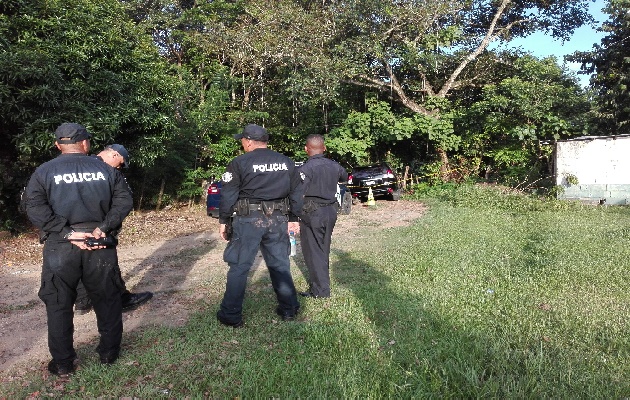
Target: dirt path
pixel 176 254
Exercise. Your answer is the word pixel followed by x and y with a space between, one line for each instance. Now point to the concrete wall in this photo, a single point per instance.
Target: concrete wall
pixel 601 166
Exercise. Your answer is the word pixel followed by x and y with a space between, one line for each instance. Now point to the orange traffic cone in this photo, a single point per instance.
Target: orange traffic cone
pixel 371 201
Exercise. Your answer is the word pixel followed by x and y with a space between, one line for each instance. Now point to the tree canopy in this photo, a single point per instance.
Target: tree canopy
pixel 78 61
pixel 412 82
pixel 610 63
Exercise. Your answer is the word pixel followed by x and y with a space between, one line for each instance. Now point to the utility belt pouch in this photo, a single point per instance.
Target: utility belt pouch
pixel 310 206
pixel 43 236
pixel 267 207
pixel 283 206
pixel 242 207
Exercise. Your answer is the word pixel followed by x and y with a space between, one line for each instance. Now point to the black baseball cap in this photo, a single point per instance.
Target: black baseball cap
pixel 120 149
pixel 68 133
pixel 253 132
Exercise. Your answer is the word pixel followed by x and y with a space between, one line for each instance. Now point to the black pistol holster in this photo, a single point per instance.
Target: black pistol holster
pixel 283 206
pixel 242 207
pixel 309 206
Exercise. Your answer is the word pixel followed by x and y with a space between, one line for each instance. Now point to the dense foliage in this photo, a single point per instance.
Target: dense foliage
pixel 611 67
pixel 414 83
pixel 78 61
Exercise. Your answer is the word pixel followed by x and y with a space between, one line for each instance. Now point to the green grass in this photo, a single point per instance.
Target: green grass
pixel 488 295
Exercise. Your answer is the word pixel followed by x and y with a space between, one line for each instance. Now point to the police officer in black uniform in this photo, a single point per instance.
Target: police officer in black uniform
pixel 263 187
pixel 319 213
pixel 117 157
pixel 72 198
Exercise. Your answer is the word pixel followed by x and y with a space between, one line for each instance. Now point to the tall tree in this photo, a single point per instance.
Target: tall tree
pixel 409 48
pixel 266 55
pixel 276 54
pixel 79 61
pixel 417 51
pixel 190 36
pixel 610 63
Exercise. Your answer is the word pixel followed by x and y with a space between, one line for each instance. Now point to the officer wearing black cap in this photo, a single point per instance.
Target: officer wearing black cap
pixel 73 198
pixel 117 156
pixel 263 188
pixel 319 213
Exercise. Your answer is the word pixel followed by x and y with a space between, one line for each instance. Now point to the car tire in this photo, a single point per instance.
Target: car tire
pixel 395 196
pixel 346 204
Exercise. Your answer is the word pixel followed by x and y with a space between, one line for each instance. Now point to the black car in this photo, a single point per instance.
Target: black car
pixel 378 177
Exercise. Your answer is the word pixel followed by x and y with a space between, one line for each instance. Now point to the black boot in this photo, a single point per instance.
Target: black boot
pixel 131 301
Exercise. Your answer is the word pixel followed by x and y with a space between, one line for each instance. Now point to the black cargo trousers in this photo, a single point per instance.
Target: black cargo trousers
pixel 64 264
pixel 251 233
pixel 316 228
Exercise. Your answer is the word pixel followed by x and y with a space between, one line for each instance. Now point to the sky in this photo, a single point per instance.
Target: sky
pixel 583 39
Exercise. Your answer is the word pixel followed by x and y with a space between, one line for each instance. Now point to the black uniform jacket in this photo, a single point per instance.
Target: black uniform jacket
pixel 260 175
pixel 75 189
pixel 321 176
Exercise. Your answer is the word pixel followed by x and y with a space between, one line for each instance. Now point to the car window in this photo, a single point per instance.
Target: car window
pixel 372 170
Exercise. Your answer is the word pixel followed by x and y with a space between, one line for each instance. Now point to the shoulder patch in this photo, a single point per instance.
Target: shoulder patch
pixel 226 177
pixel 302 175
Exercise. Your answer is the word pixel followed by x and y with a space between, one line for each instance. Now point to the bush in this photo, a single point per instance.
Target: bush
pixel 489 196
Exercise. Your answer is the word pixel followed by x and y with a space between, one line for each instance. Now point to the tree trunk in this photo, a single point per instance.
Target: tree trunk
pixel 142 187
pixel 160 195
pixel 444 166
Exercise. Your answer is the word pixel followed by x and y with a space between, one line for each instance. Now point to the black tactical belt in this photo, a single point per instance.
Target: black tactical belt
pixel 85 226
pixel 259 207
pixel 243 207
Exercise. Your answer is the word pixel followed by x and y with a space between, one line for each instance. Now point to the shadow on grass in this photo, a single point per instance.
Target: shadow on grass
pixel 163 272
